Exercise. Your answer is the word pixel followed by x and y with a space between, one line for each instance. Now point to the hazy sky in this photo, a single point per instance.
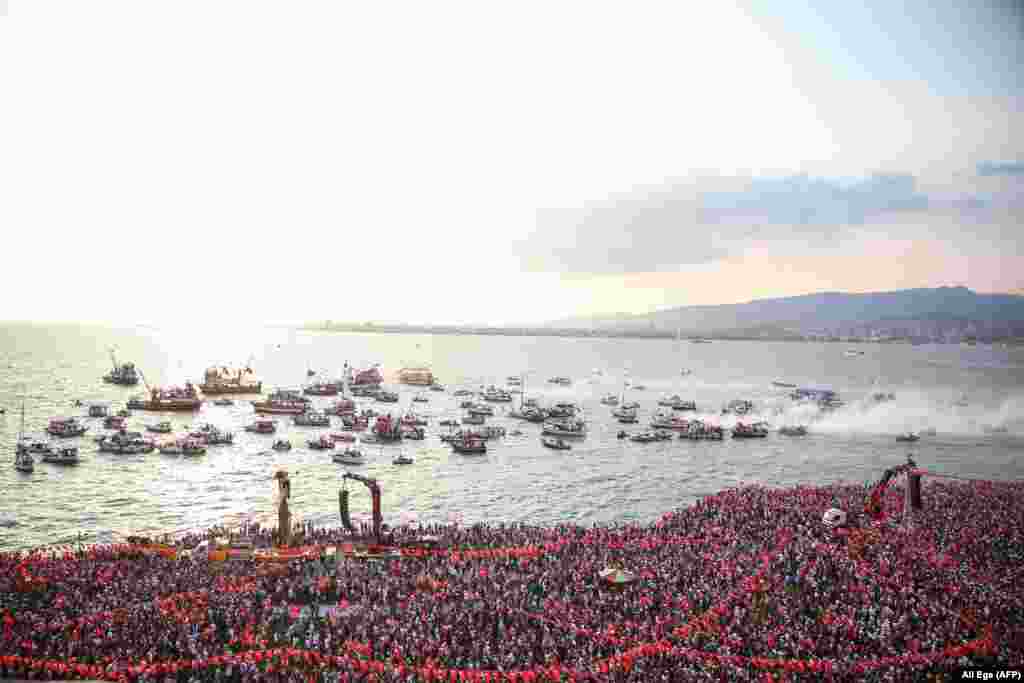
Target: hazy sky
pixel 500 162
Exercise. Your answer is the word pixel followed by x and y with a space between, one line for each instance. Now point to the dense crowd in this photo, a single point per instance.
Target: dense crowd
pixel 748 584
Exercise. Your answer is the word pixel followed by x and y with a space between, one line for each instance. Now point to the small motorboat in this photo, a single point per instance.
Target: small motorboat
pixel 793 430
pixel 324 443
pixel 164 427
pixel 349 456
pixel 223 402
pixel 909 437
pixel 402 459
pixel 282 445
pixel 556 444
pixel 66 455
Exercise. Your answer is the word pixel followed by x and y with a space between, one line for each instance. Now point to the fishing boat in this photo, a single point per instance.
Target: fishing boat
pixel 341 407
pixel 23 460
pixel 213 436
pixel 610 400
pixel 758 430
pixel 561 381
pixel 262 426
pixel 663 421
pixel 496 395
pixel 402 459
pixel 368 377
pixel 126 443
pixel 420 377
pixel 562 410
pixel 480 409
pixel 37 447
pixel 66 427
pixel 224 380
pixel 283 402
pixel 387 429
pixel 701 431
pixel 387 396
pixel 645 437
pixel 413 433
pixel 65 455
pixel 323 443
pixel 909 437
pixel 356 423
pixel 99 410
pixel 164 427
pixel 223 402
pixel 738 407
pixel 343 436
pixel 349 456
pixel 183 447
pixel 556 444
pixel 321 389
pixel 793 430
pixel 124 374
pixel 462 392
pixel 472 419
pixel 282 445
pixel 470 445
pixel 313 418
pixel 565 428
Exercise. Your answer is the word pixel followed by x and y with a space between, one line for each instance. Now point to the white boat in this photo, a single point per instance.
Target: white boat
pixel 65 455
pixel 402 459
pixel 565 428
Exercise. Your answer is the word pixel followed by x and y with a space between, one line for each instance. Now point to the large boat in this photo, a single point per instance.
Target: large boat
pixel 262 426
pixel 563 410
pixel 420 377
pixel 313 419
pixel 224 380
pixel 283 402
pixel 565 428
pixel 124 374
pixel 173 398
pixel 356 423
pixel 321 389
pixel 66 427
pixel 65 455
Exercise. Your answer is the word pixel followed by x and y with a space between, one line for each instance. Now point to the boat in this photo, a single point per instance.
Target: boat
pixel 850 353
pixel 126 443
pixel 492 432
pixel 677 403
pixel 738 407
pixel 698 340
pixel 355 423
pixel 663 421
pixel 402 459
pixel 470 445
pixel 437 387
pixel 313 418
pixel 164 427
pixel 349 456
pixel 908 437
pixel 282 445
pixel 462 392
pixel 419 398
pixel 368 377
pixel 387 396
pixel 413 420
pixel 610 400
pixel 645 437
pixel 135 403
pixel 556 444
pixel 283 402
pixel 191 448
pixel 36 447
pixel 496 395
pixel 223 402
pixel 623 411
pixel 186 447
pixel 387 429
pixel 640 387
pixel 366 391
pixel 561 381
pixel 562 410
pixel 793 430
pixel 623 434
pixel 213 436
pixel 627 418
pixel 513 380
pixel 449 423
pixel 883 397
pixel 413 433
pixel 67 455
pixel 224 380
pixel 99 410
pixel 419 377
pixel 758 430
pixel 23 460
pixel 480 409
pixel 262 426
pixel 783 385
pixel 685 372
pixel 321 389
pixel 472 419
pixel 565 428
pixel 341 407
pixel 323 443
pixel 701 431
pixel 173 398
pixel 66 427
pixel 124 374
pixel 114 422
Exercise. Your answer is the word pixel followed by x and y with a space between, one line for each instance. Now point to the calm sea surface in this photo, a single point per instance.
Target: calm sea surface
pixel 601 480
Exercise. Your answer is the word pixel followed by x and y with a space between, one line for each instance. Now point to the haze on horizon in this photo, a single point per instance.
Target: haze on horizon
pixel 460 162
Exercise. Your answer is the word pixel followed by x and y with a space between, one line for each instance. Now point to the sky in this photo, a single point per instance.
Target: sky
pixel 500 163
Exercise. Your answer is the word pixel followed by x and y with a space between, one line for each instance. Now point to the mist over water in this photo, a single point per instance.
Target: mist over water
pixel 601 480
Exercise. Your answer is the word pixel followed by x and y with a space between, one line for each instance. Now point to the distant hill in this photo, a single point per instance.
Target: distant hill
pixel 943 307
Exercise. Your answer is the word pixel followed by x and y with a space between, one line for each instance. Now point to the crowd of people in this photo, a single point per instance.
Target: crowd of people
pixel 748 584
